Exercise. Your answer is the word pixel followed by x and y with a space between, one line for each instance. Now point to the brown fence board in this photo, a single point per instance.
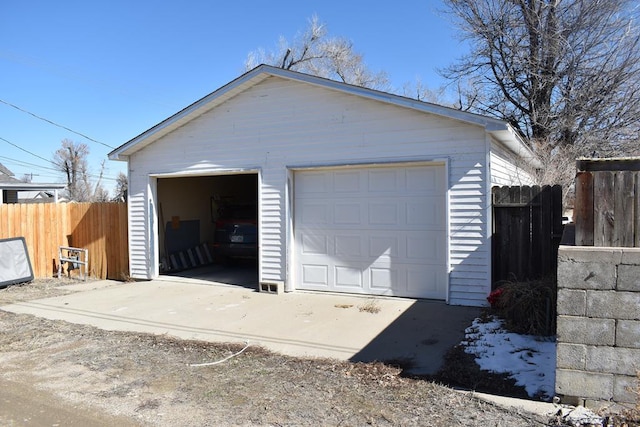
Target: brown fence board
pixel 94 226
pixel 583 209
pixel 623 209
pixel 603 193
pixel 636 222
pixel 527 227
pixel 544 227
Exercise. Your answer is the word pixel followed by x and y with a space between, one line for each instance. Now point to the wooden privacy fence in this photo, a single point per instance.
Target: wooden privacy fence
pixel 607 207
pixel 99 227
pixel 527 228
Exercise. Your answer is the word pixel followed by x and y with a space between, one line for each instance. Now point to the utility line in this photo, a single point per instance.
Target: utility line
pixel 54 123
pixel 46 160
pixel 25 164
pixel 26 151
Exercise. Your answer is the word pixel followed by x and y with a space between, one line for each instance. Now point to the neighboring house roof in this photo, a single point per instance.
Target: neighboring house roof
pixel 5 173
pixel 498 129
pixel 8 182
pixel 35 195
pixel 30 186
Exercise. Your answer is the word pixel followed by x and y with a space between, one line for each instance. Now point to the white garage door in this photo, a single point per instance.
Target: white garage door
pixel 376 230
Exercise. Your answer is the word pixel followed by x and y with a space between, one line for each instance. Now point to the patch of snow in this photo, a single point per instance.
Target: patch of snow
pixel 581 417
pixel 529 360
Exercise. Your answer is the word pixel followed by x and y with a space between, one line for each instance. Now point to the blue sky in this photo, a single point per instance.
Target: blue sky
pixel 112 69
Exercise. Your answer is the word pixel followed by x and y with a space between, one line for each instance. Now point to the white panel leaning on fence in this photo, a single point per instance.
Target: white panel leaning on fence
pixel 76 259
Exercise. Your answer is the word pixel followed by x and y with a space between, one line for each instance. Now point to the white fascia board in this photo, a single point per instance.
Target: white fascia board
pixel 30 186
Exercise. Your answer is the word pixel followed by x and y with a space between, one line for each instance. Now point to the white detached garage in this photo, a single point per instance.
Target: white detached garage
pixel 356 190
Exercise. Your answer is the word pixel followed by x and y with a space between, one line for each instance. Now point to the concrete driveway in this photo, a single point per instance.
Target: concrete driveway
pixel 414 333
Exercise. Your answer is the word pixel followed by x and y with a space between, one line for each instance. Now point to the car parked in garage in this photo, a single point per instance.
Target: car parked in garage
pixel 236 233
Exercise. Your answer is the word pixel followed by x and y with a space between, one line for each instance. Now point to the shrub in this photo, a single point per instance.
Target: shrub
pixel 527 307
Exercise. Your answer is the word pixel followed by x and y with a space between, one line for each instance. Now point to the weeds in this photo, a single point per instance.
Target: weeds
pixel 637 393
pixel 527 307
pixel 371 306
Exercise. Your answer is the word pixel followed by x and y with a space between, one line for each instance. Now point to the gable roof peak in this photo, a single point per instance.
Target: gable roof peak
pixel 499 129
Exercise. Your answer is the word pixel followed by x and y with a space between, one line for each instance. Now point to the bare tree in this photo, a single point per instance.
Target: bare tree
pixel 314 52
pixel 565 73
pixel 71 160
pixel 420 91
pixel 122 187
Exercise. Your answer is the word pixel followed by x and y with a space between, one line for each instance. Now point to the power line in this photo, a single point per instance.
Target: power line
pixel 25 164
pixel 54 123
pixel 47 160
pixel 26 151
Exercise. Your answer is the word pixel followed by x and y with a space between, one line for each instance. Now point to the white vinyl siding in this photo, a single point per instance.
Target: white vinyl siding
pixel 507 168
pixel 139 261
pixel 281 124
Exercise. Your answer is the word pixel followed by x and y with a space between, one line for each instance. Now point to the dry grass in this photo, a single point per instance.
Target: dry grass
pixel 371 306
pixel 632 416
pixel 343 305
pixel 149 378
pixel 528 307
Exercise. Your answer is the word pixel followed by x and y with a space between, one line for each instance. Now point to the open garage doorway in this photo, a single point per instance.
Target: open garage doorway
pixel 208 228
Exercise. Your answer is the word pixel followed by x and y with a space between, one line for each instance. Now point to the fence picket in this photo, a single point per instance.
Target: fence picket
pixel 583 209
pixel 603 193
pixel 623 208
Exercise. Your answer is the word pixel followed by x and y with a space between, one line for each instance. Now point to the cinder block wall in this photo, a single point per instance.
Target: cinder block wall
pixel 598 346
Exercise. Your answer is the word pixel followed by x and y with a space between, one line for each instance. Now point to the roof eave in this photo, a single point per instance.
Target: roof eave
pixel 28 186
pixel 511 139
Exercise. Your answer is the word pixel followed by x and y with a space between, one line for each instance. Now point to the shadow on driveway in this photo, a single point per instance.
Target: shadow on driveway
pixel 418 339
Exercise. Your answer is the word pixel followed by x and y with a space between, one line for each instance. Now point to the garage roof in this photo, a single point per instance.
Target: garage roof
pixel 498 129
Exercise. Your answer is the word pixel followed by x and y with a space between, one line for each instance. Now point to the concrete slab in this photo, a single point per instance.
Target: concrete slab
pixel 544 409
pixel 414 332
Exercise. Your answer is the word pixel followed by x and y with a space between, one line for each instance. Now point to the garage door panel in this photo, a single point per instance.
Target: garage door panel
pixel 382 280
pixel 425 180
pixel 426 247
pixel 347 213
pixel 377 230
pixel 315 275
pixel 384 213
pixel 314 244
pixel 348 246
pixel 423 281
pixel 314 183
pixel 314 213
pixel 384 246
pixel 348 277
pixel 425 211
pixel 347 182
pixel 384 180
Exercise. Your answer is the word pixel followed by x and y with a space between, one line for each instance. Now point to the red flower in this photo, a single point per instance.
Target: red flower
pixel 494 297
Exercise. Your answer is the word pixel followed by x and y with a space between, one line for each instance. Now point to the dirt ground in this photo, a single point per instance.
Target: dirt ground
pixel 58 372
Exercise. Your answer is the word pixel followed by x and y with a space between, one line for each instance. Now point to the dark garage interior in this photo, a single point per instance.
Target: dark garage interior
pixel 208 227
